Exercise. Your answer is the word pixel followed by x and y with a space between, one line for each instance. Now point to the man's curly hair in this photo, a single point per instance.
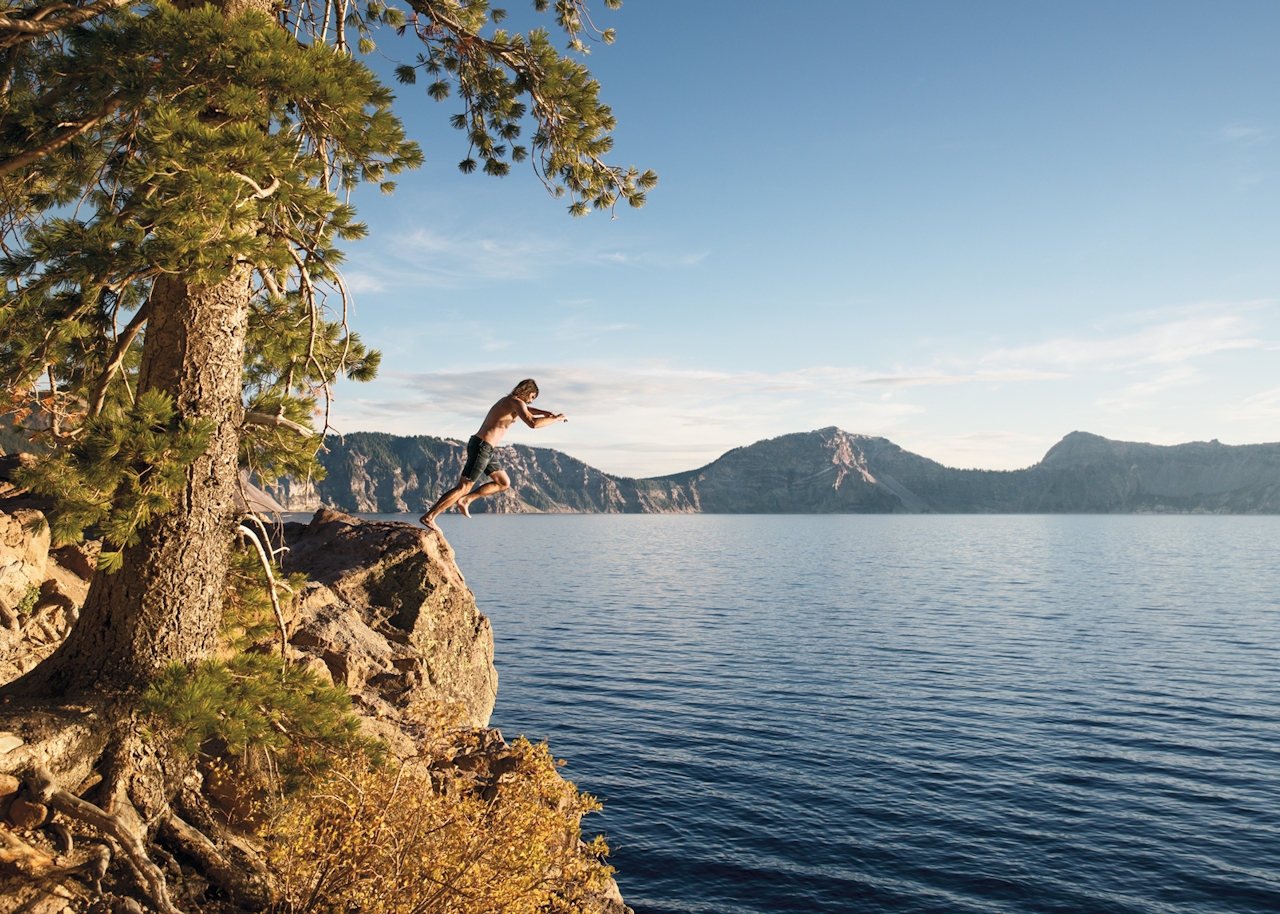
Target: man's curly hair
pixel 526 388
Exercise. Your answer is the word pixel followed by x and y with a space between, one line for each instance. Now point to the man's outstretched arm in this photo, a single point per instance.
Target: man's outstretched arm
pixel 543 418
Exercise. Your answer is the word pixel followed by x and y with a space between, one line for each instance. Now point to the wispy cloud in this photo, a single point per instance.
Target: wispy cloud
pixel 1246 134
pixel 1166 339
pixel 1140 393
pixel 656 417
pixel 1264 406
pixel 1247 162
pixel 428 258
pixel 361 283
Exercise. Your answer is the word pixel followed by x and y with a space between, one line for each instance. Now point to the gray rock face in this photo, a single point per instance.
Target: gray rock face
pixel 389 614
pixel 820 472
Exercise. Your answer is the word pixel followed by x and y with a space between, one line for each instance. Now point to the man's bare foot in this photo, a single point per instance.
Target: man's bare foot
pixel 462 507
pixel 430 523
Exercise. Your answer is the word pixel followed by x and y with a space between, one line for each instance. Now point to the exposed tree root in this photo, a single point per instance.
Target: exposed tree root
pixel 88 763
pixel 42 784
pixel 244 887
pixel 17 854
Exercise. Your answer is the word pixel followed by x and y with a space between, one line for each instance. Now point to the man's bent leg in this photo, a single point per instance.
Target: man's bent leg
pixel 445 501
pixel 499 482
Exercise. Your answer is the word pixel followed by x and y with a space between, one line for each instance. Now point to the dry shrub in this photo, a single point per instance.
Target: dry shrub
pixel 411 840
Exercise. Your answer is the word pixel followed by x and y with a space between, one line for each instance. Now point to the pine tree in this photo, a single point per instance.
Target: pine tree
pixel 174 184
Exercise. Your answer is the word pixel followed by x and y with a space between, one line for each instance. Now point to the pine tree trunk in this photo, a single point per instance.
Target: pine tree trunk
pixel 164 604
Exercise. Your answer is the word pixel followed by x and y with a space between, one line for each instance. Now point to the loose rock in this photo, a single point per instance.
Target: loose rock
pixel 63 589
pixel 24 814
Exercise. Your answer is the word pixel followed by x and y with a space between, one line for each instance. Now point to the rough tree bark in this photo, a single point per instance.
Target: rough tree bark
pixel 164 604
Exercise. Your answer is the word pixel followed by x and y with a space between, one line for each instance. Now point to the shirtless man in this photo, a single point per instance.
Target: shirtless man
pixel 480 451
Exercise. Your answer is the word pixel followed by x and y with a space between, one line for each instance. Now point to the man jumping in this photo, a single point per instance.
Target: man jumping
pixel 480 451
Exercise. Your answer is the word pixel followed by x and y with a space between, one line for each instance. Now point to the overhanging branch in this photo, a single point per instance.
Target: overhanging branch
pixel 37 153
pixel 17 29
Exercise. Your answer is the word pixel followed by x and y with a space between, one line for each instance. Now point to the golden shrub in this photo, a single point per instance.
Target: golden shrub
pixel 410 839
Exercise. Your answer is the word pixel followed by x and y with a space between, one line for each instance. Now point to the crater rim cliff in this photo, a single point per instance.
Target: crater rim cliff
pixel 826 471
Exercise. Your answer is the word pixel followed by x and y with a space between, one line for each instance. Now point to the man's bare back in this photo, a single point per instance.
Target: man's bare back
pixel 480 450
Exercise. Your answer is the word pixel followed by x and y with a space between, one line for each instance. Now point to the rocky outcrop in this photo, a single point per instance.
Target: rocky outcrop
pixel 388 614
pixel 386 611
pixel 41 592
pixel 821 472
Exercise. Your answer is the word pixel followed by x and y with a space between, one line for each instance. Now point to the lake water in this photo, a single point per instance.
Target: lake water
pixel 903 713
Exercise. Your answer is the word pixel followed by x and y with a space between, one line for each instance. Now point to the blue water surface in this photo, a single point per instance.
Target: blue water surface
pixel 903 713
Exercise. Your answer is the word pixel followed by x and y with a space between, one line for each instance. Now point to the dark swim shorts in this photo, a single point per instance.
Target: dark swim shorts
pixel 479 459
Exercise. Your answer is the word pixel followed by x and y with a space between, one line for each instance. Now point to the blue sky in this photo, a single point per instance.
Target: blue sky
pixel 969 227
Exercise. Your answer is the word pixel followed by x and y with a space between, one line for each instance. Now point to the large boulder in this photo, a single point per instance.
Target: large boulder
pixel 24 558
pixel 390 615
pixel 41 590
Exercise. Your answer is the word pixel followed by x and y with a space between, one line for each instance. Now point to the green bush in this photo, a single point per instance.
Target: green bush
pixel 28 601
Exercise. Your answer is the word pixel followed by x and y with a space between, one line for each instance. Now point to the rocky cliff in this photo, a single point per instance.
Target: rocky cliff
pixel 820 472
pixel 385 612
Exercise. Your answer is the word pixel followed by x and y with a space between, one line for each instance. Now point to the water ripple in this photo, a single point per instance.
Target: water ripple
pixel 906 714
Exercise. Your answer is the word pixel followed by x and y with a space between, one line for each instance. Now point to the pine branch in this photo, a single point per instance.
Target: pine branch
pixel 117 358
pixel 62 139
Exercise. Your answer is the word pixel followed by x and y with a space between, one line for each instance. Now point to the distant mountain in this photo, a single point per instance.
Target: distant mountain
pixel 823 472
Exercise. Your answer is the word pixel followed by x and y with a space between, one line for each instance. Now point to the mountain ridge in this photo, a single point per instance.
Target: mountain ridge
pixel 823 471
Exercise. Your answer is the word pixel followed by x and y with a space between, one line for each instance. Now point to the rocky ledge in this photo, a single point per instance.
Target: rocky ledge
pixel 386 612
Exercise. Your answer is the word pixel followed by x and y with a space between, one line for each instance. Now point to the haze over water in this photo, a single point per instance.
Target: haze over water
pixel 906 714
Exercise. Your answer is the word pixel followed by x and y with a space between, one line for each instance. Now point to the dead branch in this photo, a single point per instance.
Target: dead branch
pixel 271 588
pixel 259 192
pixel 269 280
pixel 255 418
pixel 266 539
